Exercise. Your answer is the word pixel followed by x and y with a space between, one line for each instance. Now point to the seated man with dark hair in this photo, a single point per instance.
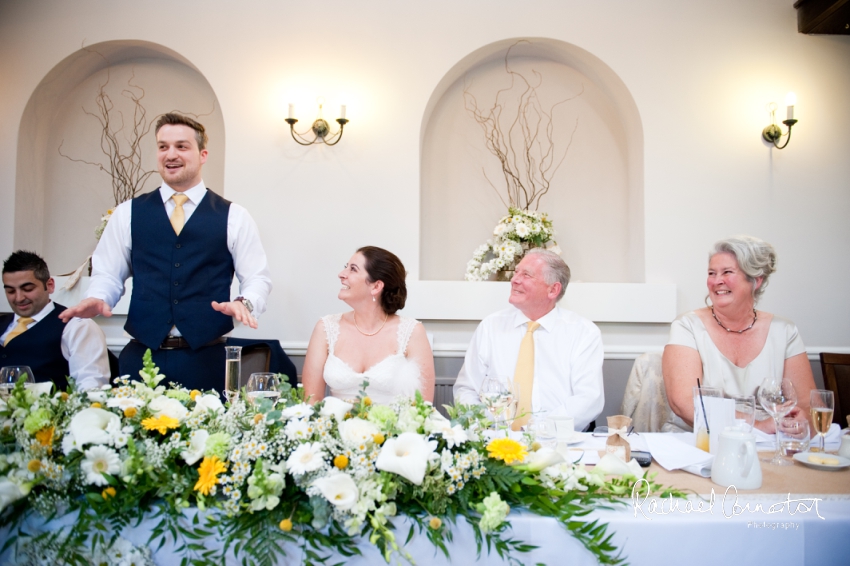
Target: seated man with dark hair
pixel 35 337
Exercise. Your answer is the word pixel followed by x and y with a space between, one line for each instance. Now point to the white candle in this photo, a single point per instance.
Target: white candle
pixel 790 102
pixel 292 111
pixel 342 111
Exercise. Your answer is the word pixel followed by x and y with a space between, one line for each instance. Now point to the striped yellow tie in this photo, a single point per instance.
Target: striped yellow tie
pixel 19 329
pixel 178 217
pixel 524 376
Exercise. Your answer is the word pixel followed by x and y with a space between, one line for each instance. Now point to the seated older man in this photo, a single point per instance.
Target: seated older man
pixel 553 355
pixel 34 335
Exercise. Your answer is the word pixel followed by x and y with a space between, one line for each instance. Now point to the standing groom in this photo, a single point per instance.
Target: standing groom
pixel 181 244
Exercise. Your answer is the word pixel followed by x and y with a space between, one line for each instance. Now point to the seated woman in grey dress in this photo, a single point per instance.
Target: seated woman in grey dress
pixel 731 345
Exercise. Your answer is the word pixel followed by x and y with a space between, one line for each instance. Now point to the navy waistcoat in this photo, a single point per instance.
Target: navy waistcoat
pixel 175 278
pixel 40 348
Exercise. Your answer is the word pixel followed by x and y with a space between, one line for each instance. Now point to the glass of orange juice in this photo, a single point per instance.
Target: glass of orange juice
pixel 702 418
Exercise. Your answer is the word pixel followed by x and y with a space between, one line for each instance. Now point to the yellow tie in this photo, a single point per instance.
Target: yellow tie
pixel 524 375
pixel 178 217
pixel 19 329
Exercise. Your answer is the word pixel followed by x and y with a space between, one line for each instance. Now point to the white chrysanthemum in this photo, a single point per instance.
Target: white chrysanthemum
pixel 169 407
pixel 339 489
pixel 99 460
pixel 299 411
pixel 308 457
pixel 197 445
pixel 297 429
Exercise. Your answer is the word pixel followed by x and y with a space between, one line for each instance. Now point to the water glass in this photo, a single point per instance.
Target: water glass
pixel 497 395
pixel 823 405
pixel 263 386
pixel 232 369
pixel 745 412
pixel 793 436
pixel 543 430
pixel 778 397
pixel 10 375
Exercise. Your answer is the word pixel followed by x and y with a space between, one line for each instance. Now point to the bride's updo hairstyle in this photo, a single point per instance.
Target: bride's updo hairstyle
pixel 385 266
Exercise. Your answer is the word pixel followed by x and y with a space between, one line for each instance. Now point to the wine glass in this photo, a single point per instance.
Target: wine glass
pixel 823 405
pixel 498 397
pixel 778 397
pixel 10 375
pixel 262 386
pixel 793 435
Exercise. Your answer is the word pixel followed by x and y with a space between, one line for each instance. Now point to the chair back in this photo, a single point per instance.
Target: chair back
pixel 255 359
pixel 836 378
pixel 645 398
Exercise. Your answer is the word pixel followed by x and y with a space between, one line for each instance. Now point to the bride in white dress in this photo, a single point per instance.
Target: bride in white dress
pixel 370 342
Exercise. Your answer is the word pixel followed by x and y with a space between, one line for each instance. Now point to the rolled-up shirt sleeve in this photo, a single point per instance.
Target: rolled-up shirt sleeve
pixel 84 346
pixel 249 258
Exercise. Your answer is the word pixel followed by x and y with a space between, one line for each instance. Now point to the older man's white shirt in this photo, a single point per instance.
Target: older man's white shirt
pixel 568 358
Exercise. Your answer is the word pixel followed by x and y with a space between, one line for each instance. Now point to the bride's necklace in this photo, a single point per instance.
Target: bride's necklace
pixel 366 333
pixel 755 318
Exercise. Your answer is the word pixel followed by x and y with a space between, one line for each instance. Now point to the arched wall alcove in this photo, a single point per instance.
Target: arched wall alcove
pixel 596 197
pixel 59 202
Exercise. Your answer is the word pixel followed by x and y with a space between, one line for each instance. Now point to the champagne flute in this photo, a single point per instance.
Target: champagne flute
pixel 232 369
pixel 823 405
pixel 10 375
pixel 778 397
pixel 262 386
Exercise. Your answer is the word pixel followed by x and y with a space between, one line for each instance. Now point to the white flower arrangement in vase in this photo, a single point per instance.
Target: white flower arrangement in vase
pixel 515 234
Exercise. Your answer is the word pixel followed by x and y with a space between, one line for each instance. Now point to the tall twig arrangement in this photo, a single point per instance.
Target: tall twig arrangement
pixel 519 132
pixel 121 142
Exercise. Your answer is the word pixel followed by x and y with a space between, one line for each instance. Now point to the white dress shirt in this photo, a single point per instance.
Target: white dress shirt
pixel 111 259
pixel 83 345
pixel 568 358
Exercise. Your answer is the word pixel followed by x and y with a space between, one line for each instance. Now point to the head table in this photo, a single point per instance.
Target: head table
pixel 799 516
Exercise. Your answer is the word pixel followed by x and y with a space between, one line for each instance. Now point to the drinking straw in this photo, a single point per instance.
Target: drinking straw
pixel 704 415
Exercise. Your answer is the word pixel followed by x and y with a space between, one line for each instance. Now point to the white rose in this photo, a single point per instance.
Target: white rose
pixel 204 403
pixel 168 407
pixel 356 431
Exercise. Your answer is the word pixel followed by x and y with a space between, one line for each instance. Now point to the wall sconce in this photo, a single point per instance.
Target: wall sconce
pixel 773 133
pixel 321 129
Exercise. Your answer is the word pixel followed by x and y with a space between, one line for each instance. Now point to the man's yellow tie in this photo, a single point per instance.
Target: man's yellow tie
pixel 19 329
pixel 178 217
pixel 524 376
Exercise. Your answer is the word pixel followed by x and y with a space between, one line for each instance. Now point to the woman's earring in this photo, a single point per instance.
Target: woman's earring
pixel 373 298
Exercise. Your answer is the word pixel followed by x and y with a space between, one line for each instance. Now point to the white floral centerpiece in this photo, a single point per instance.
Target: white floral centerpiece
pixel 515 233
pixel 323 477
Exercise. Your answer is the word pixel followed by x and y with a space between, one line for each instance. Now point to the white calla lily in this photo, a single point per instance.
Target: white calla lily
pixel 89 426
pixel 339 489
pixel 407 455
pixel 335 407
pixel 541 459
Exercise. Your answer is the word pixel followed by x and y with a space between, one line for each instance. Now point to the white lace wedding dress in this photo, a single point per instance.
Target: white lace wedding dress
pixel 390 378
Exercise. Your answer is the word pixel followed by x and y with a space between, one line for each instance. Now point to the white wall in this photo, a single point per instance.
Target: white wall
pixel 700 73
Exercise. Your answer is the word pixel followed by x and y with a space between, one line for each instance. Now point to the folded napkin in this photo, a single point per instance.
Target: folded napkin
pixel 677 452
pixel 766 441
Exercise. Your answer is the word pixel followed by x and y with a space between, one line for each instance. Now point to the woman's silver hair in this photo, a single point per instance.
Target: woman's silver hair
pixel 755 257
pixel 556 269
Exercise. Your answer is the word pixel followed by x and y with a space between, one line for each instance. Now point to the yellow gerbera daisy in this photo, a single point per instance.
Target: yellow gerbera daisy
pixel 507 450
pixel 208 472
pixel 45 436
pixel 161 423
